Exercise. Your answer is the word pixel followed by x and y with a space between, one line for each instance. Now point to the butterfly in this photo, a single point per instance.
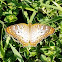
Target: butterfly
pixel 29 34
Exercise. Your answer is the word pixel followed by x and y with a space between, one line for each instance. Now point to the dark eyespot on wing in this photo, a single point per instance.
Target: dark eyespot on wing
pixel 16 39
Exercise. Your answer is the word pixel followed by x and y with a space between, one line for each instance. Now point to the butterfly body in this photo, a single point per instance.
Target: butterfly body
pixel 29 34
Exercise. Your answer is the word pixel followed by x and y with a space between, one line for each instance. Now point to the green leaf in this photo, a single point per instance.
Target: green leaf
pixel 7 42
pixel 19 57
pixel 23 6
pixel 32 17
pixel 50 6
pixel 43 58
pixel 10 18
pixel 32 54
pixel 12 5
pixel 51 20
pixel 26 15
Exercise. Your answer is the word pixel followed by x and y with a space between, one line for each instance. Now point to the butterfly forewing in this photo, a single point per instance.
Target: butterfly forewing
pixel 39 32
pixel 20 32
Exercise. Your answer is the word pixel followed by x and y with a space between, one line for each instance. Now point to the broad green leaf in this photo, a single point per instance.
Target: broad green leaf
pixel 10 18
pixel 43 58
pixel 32 54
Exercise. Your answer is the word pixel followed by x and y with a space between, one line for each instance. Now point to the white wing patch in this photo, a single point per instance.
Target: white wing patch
pixel 46 28
pixel 36 32
pixel 21 32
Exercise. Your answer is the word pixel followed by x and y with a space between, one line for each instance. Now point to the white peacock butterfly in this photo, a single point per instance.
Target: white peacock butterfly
pixel 29 33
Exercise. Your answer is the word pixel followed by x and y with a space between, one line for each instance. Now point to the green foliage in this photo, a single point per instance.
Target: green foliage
pixel 48 12
pixel 10 18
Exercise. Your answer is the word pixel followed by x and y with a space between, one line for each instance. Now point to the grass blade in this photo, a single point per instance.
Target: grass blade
pixel 19 57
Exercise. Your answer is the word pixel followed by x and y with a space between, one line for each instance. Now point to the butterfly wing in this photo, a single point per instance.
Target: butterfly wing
pixel 38 32
pixel 19 32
